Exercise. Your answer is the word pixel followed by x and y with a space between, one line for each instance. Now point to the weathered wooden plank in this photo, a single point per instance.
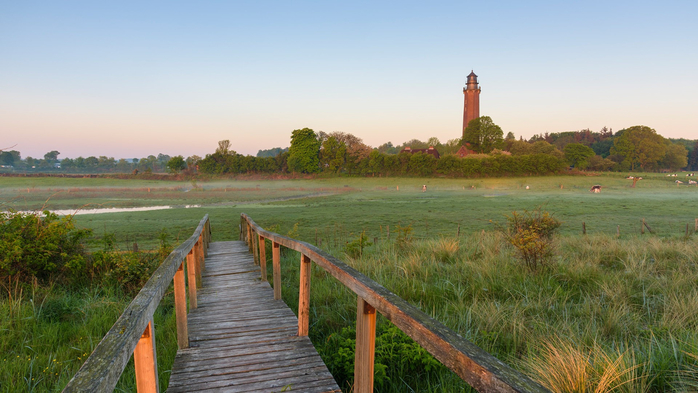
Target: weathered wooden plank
pixel 240 337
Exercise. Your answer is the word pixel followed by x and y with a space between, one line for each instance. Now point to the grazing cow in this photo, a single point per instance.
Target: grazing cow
pixel 692 182
pixel 595 189
pixel 678 182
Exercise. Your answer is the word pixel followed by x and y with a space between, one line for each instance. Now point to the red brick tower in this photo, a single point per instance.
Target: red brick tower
pixel 471 105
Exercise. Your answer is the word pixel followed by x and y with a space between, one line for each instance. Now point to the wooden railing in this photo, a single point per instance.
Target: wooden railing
pixel 133 332
pixel 478 368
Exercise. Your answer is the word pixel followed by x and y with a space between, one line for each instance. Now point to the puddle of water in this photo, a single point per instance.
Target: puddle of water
pixel 114 210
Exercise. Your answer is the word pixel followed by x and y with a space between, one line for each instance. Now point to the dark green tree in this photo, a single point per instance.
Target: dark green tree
pixel 52 156
pixel 177 164
pixel 303 153
pixel 676 156
pixel 483 135
pixel 578 155
pixel 693 159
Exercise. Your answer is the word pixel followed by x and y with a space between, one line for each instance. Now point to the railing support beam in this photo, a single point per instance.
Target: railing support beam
pixel 365 347
pixel 181 308
pixel 263 258
pixel 304 297
pixel 191 278
pixel 145 360
pixel 276 260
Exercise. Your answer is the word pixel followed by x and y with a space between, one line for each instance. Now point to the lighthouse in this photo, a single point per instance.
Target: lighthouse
pixel 471 101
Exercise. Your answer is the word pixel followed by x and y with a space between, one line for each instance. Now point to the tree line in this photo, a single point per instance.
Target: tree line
pixel 490 153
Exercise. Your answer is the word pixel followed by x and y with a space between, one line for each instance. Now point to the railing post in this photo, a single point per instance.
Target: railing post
pixel 202 251
pixel 263 257
pixel 365 347
pixel 304 297
pixel 145 360
pixel 255 248
pixel 276 260
pixel 249 236
pixel 181 308
pixel 191 278
pixel 197 265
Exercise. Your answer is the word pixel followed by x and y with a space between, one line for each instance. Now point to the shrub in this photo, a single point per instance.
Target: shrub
pixel 397 356
pixel 531 235
pixel 41 246
pixel 355 248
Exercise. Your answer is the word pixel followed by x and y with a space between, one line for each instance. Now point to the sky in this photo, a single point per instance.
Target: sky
pixel 129 79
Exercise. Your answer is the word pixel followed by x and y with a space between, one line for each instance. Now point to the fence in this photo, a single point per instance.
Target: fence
pixel 134 332
pixel 475 366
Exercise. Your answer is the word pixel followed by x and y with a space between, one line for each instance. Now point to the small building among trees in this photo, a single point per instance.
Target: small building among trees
pixel 430 150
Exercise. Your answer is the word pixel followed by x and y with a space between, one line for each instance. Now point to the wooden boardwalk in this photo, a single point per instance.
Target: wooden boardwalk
pixel 241 339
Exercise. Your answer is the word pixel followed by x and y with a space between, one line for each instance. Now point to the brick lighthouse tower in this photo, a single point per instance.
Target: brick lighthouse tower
pixel 471 105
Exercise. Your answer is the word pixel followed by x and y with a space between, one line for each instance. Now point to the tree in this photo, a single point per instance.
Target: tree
pixel 332 155
pixel 676 156
pixel 483 135
pixel 176 164
pixel 51 156
pixel 223 147
pixel 639 145
pixel 578 155
pixel 303 153
pixel 693 159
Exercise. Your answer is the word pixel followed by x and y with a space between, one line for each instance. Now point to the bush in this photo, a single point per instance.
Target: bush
pixel 355 248
pixel 531 235
pixel 397 357
pixel 41 246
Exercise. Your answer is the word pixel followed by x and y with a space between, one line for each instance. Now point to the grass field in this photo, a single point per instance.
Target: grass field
pixel 631 298
pixel 345 206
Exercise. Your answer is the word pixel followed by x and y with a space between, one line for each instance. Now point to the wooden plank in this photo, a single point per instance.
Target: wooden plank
pixel 241 339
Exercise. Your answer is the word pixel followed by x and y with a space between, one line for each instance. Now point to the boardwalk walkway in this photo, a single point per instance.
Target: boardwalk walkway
pixel 241 339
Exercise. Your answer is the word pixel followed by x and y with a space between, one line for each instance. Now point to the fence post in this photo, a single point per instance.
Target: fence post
pixel 584 228
pixel 263 257
pixel 276 261
pixel 642 227
pixel 191 278
pixel 145 360
pixel 304 297
pixel 365 347
pixel 181 308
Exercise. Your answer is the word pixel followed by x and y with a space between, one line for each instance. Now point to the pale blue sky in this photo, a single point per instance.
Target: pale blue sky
pixel 128 79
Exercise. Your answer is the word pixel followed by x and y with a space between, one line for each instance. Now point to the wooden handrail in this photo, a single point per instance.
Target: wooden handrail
pixel 134 332
pixel 475 366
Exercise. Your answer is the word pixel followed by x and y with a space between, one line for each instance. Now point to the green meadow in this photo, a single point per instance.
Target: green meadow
pixel 610 313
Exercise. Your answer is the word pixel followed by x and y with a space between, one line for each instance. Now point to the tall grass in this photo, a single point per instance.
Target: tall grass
pixel 47 332
pixel 608 314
